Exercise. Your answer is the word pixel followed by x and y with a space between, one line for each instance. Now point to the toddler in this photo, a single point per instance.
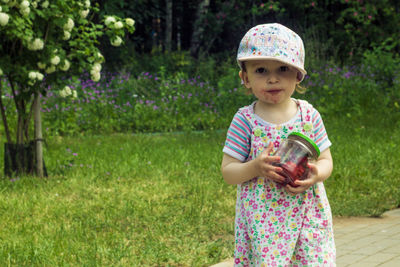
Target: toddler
pixel 276 224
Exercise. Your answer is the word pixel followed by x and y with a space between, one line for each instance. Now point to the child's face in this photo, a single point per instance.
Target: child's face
pixel 272 82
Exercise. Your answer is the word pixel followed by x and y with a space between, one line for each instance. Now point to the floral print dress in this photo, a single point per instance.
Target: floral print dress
pixel 272 227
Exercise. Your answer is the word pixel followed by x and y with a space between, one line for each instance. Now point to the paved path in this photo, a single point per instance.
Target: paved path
pixel 364 242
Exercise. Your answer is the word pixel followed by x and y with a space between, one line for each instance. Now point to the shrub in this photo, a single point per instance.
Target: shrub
pixel 146 103
pixel 370 88
pixel 175 100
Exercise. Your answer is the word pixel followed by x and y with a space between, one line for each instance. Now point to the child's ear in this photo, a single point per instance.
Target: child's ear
pixel 245 80
pixel 299 77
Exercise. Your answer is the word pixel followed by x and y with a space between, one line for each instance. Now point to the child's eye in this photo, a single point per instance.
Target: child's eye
pixel 261 70
pixel 284 68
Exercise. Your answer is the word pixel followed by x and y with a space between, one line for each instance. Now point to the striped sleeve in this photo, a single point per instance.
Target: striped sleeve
pixel 238 139
pixel 320 134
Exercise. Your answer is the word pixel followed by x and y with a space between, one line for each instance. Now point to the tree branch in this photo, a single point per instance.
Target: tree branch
pixel 20 113
pixel 28 118
pixel 13 92
pixel 47 33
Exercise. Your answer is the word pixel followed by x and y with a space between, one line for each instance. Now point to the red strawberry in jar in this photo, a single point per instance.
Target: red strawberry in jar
pixel 295 152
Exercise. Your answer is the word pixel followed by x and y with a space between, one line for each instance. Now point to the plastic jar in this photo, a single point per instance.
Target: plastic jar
pixel 295 151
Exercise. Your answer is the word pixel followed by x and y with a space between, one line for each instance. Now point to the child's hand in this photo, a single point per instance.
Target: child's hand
pixel 303 185
pixel 319 172
pixel 264 167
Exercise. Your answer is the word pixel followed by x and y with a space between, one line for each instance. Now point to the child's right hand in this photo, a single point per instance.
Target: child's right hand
pixel 264 167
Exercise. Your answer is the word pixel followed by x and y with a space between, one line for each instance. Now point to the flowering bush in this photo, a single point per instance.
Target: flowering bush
pixel 44 40
pixel 359 91
pixel 146 103
pixel 40 42
pixel 171 100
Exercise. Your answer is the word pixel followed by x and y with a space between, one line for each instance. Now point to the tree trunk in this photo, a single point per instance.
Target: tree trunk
pixel 198 28
pixel 19 159
pixel 168 30
pixel 24 156
pixel 4 117
pixel 38 136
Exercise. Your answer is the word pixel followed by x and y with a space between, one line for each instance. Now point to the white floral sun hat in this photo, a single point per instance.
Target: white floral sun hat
pixel 273 41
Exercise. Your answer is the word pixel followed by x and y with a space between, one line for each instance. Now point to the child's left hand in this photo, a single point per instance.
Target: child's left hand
pixel 303 185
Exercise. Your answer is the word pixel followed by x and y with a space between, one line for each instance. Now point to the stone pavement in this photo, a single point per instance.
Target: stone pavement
pixel 364 241
pixel 368 241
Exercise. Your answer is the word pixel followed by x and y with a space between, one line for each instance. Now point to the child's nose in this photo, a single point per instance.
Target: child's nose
pixel 272 78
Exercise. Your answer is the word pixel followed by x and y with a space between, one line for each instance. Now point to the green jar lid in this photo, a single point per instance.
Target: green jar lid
pixel 308 142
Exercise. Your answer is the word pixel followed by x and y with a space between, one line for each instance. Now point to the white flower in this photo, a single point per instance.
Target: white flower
pixel 130 21
pixel 66 65
pixel 100 56
pixel 55 60
pixel 51 69
pixel 34 4
pixel 24 4
pixel 62 93
pixel 41 65
pixel 109 20
pixel 35 75
pixel 84 13
pixel 74 94
pixel 67 35
pixel 69 25
pixel 87 3
pixel 68 90
pixel 1 9
pixel 1 72
pixel 39 76
pixel 117 41
pixel 45 4
pixel 4 19
pixel 96 67
pixel 32 75
pixel 37 44
pixel 25 11
pixel 95 76
pixel 118 25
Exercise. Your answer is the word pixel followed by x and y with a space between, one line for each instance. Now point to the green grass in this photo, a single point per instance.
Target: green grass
pixel 366 176
pixel 159 200
pixel 128 200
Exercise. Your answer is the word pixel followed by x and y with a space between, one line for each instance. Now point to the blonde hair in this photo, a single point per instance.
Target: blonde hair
pixel 301 89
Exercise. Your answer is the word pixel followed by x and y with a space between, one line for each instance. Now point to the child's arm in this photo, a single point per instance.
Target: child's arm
pixel 236 172
pixel 319 172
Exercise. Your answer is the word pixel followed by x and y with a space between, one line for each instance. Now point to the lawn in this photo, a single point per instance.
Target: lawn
pixel 159 199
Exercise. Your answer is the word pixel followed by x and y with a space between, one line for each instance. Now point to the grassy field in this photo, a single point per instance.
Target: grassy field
pixel 159 200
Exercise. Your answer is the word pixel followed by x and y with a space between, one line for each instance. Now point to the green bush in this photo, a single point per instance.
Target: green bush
pixel 204 94
pixel 361 91
pixel 146 103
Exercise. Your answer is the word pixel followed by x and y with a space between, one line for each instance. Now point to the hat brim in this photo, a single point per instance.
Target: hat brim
pixel 302 71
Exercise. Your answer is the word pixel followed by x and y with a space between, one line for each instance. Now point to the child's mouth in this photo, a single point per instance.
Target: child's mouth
pixel 274 91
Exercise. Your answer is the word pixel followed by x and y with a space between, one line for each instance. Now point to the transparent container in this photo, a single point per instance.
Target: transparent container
pixel 295 152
